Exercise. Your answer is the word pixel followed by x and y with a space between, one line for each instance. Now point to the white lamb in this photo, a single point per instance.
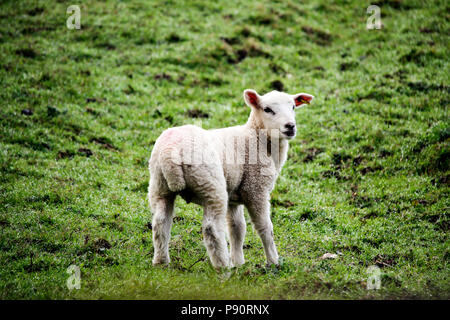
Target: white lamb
pixel 222 170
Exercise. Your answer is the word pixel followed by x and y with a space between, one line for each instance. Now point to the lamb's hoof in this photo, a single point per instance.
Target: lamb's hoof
pixel 273 267
pixel 225 274
pixel 237 264
pixel 161 262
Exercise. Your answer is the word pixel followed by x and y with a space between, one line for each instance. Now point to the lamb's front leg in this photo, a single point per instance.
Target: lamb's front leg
pixel 236 231
pixel 259 211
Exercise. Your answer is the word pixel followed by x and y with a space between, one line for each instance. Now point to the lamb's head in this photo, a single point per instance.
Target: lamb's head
pixel 276 110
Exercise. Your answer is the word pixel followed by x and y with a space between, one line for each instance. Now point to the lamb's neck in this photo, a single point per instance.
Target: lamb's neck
pixel 254 123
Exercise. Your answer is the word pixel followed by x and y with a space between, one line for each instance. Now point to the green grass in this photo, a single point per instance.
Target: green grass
pixel 367 176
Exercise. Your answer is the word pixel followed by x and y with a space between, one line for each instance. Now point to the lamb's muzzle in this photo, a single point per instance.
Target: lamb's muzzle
pixel 223 170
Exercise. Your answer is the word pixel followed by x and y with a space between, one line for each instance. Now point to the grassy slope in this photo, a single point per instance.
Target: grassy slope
pixel 367 175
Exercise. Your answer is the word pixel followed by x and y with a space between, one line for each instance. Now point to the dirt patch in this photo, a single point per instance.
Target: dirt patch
pixel 304 53
pixel 35 11
pixel 234 52
pixel 169 119
pixel 27 112
pixel 27 53
pixel 340 158
pixel 331 173
pixel 95 100
pixel 262 20
pixel 101 245
pixel 129 90
pixel 370 215
pixel 318 36
pixel 85 152
pixel 284 204
pixel 311 154
pixel 92 111
pixel 106 45
pixel 197 113
pixel 30 143
pixel 245 32
pixel 357 160
pixel 422 86
pixel 383 261
pixel 426 30
pixel 384 153
pixel 369 169
pixel 52 112
pixel 277 85
pixel 276 68
pixel 348 65
pixel 104 142
pixel 112 225
pixel 231 41
pixel 308 214
pixel 4 223
pixel 241 54
pixel 367 148
pixel 65 154
pixel 174 38
pixel 418 57
pixel 162 76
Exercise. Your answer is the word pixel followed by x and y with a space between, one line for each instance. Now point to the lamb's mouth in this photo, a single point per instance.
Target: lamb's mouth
pixel 289 134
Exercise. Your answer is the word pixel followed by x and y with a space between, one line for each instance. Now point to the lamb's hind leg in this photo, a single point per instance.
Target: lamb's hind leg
pixel 215 210
pixel 236 230
pixel 162 208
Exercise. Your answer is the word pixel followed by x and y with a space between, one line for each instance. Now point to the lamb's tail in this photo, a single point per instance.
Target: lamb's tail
pixel 172 169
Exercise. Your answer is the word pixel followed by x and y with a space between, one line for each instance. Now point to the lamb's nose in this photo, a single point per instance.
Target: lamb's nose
pixel 290 125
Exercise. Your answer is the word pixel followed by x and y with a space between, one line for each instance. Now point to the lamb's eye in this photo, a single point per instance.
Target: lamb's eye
pixel 268 110
pixel 293 107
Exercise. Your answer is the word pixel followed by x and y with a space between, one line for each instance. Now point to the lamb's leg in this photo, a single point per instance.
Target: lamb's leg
pixel 214 231
pixel 236 231
pixel 162 208
pixel 260 214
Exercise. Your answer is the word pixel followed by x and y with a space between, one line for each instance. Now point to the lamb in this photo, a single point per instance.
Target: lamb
pixel 223 170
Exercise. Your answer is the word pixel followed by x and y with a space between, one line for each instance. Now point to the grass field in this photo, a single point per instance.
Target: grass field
pixel 367 177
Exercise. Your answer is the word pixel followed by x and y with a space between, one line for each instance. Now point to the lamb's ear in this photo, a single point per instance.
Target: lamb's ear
pixel 252 98
pixel 302 98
